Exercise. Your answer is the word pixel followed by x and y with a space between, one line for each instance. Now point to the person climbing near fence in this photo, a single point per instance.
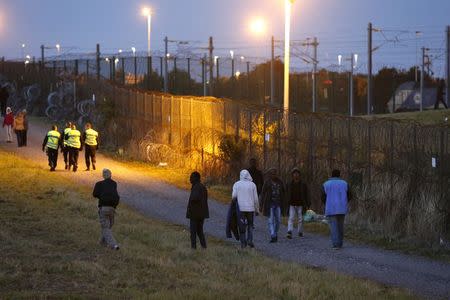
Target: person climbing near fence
pixel 90 141
pixel 50 145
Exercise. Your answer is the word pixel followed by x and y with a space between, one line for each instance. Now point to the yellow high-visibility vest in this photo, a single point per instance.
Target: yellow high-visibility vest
pixel 91 137
pixel 53 139
pixel 74 139
pixel 66 131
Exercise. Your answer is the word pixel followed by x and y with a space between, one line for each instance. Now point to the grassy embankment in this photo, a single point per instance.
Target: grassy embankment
pixel 48 244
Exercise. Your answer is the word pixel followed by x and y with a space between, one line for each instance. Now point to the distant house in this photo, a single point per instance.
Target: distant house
pixel 407 98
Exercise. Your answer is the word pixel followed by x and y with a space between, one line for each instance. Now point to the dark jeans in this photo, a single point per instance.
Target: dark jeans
pixel 196 226
pixel 73 157
pixel 21 138
pixel 89 155
pixel 52 157
pixel 247 236
pixel 336 223
pixel 66 154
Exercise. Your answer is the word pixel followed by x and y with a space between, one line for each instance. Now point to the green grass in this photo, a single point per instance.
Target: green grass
pixel 48 242
pixel 429 117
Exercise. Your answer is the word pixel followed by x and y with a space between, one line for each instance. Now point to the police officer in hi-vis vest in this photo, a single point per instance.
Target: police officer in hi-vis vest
pixel 52 141
pixel 73 139
pixel 65 148
pixel 90 140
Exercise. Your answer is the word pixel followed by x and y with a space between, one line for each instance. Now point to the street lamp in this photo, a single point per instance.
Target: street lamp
pixel 23 51
pixel 58 48
pixel 287 38
pixel 146 12
pixel 133 49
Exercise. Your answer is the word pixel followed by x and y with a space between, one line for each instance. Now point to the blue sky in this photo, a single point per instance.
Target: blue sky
pixel 339 25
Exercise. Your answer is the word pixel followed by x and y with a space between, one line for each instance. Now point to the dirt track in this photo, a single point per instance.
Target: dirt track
pixel 160 200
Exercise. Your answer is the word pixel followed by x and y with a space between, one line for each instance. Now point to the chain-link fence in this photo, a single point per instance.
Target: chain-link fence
pixel 400 171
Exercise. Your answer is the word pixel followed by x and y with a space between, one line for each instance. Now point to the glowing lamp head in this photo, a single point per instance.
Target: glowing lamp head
pixel 258 26
pixel 232 53
pixel 146 12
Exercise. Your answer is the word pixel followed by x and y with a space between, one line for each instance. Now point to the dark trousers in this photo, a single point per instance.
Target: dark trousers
pixel 196 226
pixel 24 137
pixel 52 157
pixel 66 154
pixel 73 157
pixel 247 235
pixel 89 155
pixel 21 138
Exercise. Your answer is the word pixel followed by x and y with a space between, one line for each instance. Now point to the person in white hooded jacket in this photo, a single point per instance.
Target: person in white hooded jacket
pixel 246 194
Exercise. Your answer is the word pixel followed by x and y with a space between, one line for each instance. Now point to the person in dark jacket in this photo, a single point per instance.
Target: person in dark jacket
pixel 108 199
pixel 4 95
pixel 197 210
pixel 272 203
pixel 298 197
pixel 257 175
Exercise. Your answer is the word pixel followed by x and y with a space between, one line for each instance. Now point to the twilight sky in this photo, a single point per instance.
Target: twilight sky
pixel 340 25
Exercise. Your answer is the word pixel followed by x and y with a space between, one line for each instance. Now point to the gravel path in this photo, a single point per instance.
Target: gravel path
pixel 160 200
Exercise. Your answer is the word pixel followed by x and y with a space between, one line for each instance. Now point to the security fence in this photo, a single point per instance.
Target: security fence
pixel 400 171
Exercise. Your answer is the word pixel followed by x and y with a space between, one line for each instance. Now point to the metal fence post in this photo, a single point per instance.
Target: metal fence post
pixel 149 72
pixel 264 140
pixel 98 61
pixel 123 71
pixel 113 66
pixel 87 68
pixel 250 138
pixel 369 156
pixel 135 71
pixel 76 67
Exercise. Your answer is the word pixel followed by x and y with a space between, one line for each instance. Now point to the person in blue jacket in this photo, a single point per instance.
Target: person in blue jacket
pixel 335 195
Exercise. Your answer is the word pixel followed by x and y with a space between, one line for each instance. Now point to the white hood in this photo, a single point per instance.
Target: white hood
pixel 245 175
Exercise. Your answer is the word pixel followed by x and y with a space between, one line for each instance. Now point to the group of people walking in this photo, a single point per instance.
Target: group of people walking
pixel 18 124
pixel 252 194
pixel 71 142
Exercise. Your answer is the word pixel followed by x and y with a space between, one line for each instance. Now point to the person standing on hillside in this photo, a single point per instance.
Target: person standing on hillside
pixel 246 194
pixel 51 143
pixel 19 128
pixel 73 138
pixel 90 141
pixel 298 197
pixel 65 147
pixel 197 210
pixel 8 122
pixel 108 199
pixel 256 174
pixel 440 95
pixel 335 195
pixel 272 203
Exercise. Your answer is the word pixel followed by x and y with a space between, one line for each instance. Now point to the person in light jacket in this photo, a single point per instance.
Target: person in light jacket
pixel 245 192
pixel 335 195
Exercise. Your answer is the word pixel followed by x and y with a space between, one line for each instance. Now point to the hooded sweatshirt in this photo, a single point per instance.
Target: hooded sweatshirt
pixel 245 192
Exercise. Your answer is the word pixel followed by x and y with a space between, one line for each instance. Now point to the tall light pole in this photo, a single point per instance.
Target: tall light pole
pixel 23 51
pixel 146 12
pixel 287 40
